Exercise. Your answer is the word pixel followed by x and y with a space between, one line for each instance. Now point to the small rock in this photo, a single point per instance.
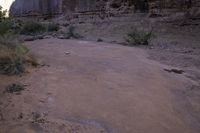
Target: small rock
pixel 67 53
pixel 46 37
pixel 99 40
pixel 29 39
pixel 61 37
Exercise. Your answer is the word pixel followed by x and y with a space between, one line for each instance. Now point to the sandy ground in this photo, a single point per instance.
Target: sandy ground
pixel 98 88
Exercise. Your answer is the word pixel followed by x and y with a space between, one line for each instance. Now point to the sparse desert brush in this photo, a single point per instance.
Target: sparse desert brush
pixel 137 37
pixel 2 13
pixel 33 28
pixel 5 26
pixel 10 62
pixel 14 57
pixel 52 27
pixel 8 40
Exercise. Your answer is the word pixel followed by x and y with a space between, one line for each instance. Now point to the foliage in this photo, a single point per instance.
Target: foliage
pixel 13 56
pixel 33 28
pixel 15 88
pixel 2 13
pixel 10 62
pixel 139 37
pixel 52 27
pixel 8 39
pixel 5 26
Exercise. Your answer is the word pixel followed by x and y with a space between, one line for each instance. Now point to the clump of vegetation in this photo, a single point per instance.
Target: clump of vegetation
pixel 33 28
pixel 139 37
pixel 15 88
pixel 2 13
pixel 52 27
pixel 13 55
pixel 72 34
pixel 5 27
pixel 5 24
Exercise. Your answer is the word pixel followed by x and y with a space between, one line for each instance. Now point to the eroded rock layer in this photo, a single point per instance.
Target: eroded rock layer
pixel 49 7
pixel 35 7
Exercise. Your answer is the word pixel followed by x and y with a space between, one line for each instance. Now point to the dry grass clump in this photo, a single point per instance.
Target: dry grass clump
pixel 10 62
pixel 51 27
pixel 36 28
pixel 14 57
pixel 33 28
pixel 137 37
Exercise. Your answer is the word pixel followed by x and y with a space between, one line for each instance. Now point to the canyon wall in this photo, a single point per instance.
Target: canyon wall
pixel 51 7
pixel 35 7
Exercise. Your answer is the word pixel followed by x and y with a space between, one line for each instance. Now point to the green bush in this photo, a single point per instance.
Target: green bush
pixel 13 56
pixel 10 62
pixel 5 23
pixel 2 13
pixel 52 27
pixel 138 37
pixel 33 28
pixel 9 40
pixel 5 26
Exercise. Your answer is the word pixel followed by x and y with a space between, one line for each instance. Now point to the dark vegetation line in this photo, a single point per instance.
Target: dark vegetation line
pixel 14 57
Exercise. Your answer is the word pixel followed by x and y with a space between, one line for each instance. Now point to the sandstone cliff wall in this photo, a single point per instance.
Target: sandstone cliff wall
pixel 49 7
pixel 35 7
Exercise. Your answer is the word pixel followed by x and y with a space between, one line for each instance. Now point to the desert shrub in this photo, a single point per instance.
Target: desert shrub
pixel 71 33
pixel 138 37
pixel 8 40
pixel 15 88
pixel 5 23
pixel 52 27
pixel 13 56
pixel 2 13
pixel 5 26
pixel 10 62
pixel 32 28
pixel 17 25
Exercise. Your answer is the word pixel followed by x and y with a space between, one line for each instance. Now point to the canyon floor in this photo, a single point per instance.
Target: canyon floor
pixel 99 87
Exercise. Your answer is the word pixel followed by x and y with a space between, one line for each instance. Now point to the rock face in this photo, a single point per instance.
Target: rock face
pixel 50 7
pixel 35 7
pixel 78 5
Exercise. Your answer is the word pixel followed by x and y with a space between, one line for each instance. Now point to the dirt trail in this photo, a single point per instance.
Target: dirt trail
pixel 97 88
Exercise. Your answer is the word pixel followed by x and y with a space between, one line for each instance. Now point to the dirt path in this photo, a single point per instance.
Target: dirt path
pixel 97 88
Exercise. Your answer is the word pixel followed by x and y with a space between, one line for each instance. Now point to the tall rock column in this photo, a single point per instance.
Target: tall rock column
pixel 35 7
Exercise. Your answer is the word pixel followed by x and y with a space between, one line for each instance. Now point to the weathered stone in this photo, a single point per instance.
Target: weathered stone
pixel 50 7
pixel 35 7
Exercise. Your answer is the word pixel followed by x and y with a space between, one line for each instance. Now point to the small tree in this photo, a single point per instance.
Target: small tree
pixel 2 13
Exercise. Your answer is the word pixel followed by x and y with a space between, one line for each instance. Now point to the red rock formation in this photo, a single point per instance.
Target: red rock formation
pixel 48 7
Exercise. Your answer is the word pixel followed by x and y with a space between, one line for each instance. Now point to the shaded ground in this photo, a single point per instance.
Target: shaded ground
pixel 91 87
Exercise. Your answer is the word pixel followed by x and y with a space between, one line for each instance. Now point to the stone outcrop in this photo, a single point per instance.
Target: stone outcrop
pixel 50 7
pixel 35 7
